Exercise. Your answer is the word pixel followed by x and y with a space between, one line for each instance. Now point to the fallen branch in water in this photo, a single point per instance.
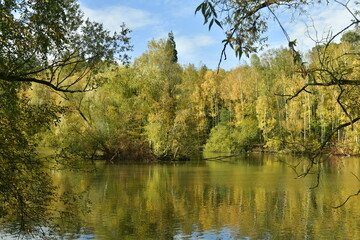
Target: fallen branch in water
pixel 219 158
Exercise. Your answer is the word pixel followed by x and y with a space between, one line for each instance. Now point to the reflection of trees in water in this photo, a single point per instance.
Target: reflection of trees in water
pixel 164 201
pixel 150 201
pixel 26 193
pixel 26 189
pixel 32 206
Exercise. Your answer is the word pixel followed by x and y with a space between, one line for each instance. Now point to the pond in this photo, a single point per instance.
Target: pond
pixel 251 196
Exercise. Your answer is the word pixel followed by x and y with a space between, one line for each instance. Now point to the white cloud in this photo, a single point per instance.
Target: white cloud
pixel 319 24
pixel 190 47
pixel 113 17
pixel 313 26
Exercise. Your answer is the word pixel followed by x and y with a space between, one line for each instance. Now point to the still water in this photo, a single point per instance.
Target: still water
pixel 253 196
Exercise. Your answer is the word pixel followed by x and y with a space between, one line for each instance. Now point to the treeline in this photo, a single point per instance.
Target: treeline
pixel 158 109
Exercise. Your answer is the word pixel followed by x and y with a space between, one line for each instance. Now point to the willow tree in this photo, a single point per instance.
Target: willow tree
pixel 245 22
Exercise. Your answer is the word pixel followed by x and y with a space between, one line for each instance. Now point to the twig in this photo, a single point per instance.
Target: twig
pixel 355 176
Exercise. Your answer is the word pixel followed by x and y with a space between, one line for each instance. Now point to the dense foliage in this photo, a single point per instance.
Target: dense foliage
pixel 47 43
pixel 157 109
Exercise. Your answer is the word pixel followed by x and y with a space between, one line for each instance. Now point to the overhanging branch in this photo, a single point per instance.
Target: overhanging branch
pixel 43 82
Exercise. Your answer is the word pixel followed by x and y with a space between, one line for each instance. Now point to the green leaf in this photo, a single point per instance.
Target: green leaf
pixel 211 23
pixel 198 8
pixel 203 9
pixel 218 23
pixel 208 13
pixel 212 9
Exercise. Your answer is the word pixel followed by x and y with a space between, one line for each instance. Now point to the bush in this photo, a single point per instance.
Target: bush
pixel 219 140
pixel 225 138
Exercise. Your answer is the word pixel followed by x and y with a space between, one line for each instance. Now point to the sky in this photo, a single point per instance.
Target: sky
pixel 154 19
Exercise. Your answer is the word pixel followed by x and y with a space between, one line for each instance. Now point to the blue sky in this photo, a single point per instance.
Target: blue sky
pixel 195 44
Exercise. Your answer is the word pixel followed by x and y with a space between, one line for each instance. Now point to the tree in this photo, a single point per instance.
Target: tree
pixel 161 75
pixel 142 112
pixel 353 37
pixel 26 190
pixel 108 122
pixel 171 45
pixel 49 42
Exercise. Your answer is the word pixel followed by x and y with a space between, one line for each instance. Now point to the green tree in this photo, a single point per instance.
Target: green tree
pixel 49 42
pixel 162 75
pixel 141 112
pixel 171 45
pixel 108 122
pixel 353 37
pixel 26 189
pixel 193 101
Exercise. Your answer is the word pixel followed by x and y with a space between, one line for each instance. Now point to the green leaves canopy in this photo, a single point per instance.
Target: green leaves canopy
pixel 48 42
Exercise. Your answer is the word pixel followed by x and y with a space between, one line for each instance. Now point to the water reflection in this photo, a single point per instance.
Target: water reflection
pixel 252 197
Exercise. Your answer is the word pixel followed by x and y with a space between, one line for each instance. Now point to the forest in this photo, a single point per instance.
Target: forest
pixel 158 109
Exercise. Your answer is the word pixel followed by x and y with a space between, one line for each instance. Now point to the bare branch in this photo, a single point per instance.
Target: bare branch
pixel 347 8
pixel 317 178
pixel 340 32
pixel 281 26
pixel 355 176
pixel 341 126
pixel 347 199
pixel 338 100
